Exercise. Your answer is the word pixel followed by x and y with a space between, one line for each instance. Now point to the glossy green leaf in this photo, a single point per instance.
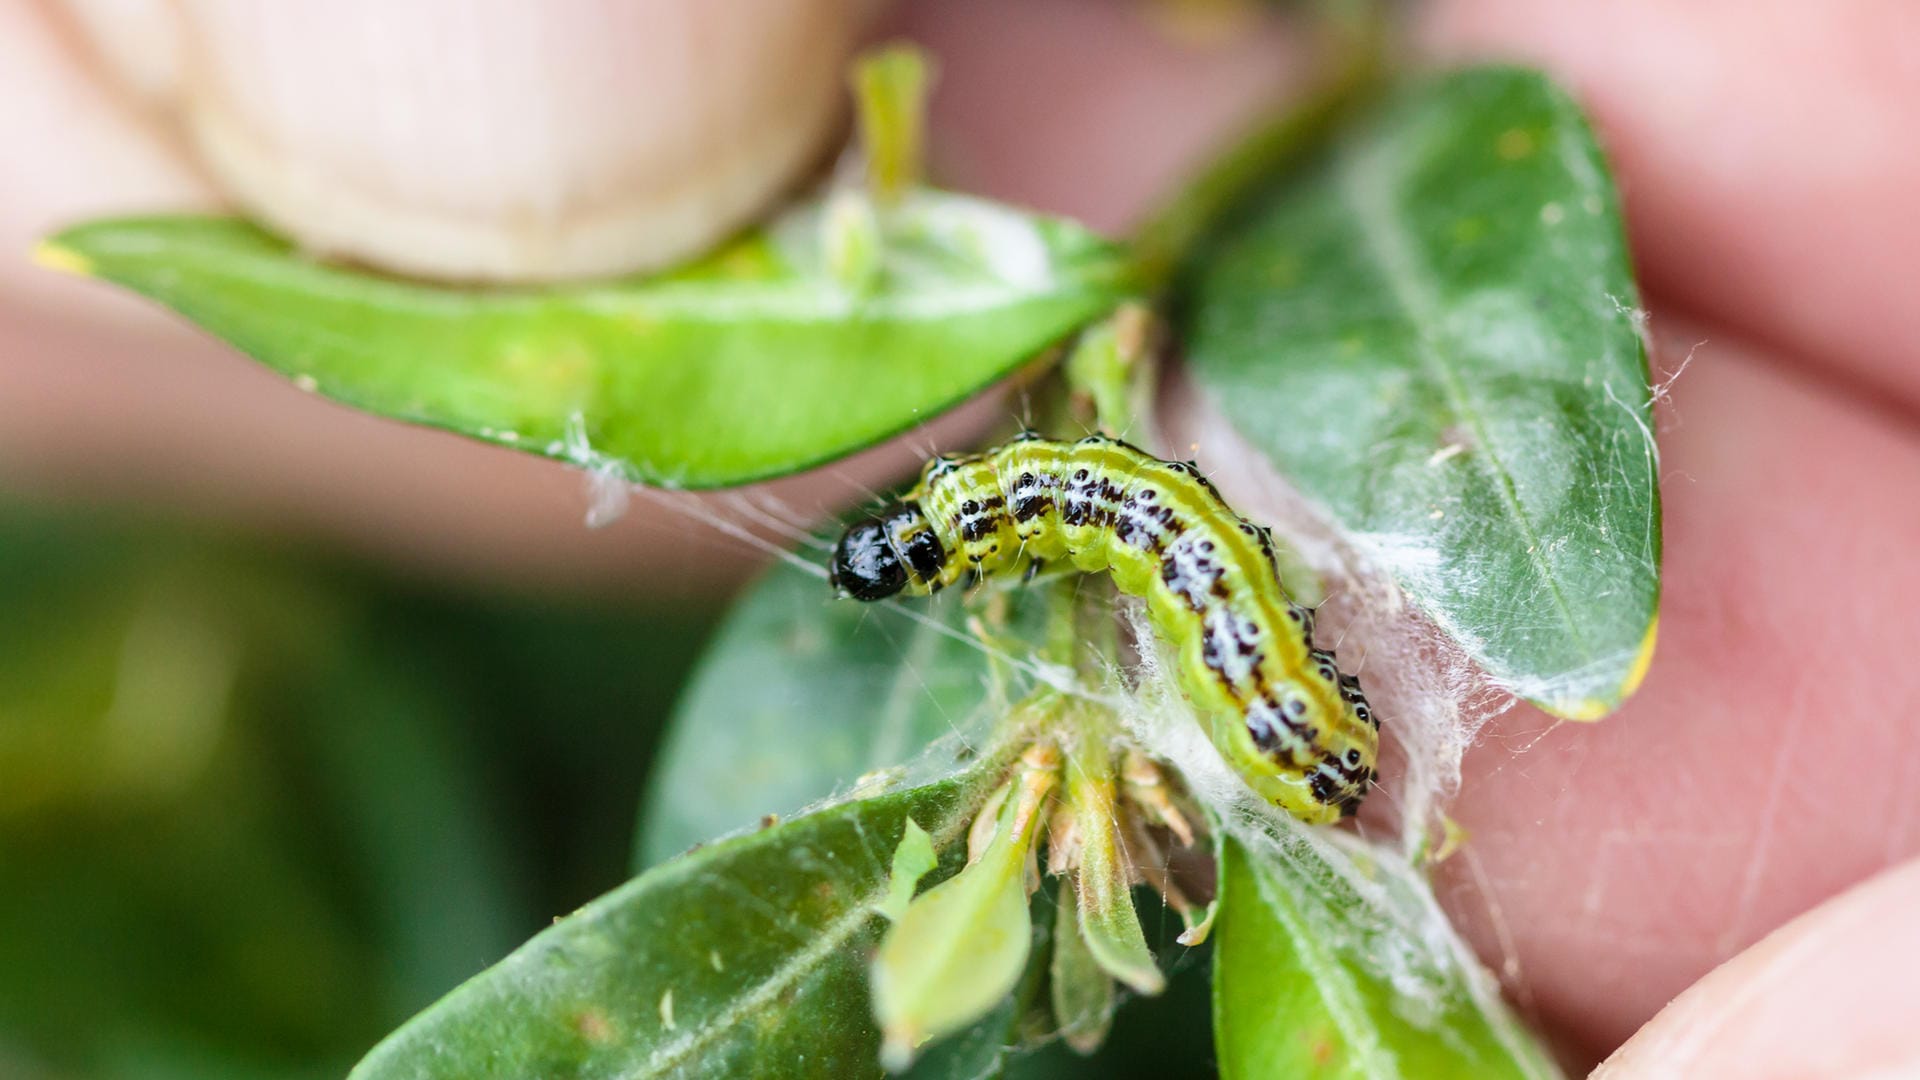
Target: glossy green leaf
pixel 389 750
pixel 240 834
pixel 1317 976
pixel 801 694
pixel 754 362
pixel 746 958
pixel 1432 331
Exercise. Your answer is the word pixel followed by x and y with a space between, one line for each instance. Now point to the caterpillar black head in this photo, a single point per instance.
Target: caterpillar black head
pixel 884 554
pixel 865 566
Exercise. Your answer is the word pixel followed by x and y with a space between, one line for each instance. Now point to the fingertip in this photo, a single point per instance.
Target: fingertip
pixel 1830 994
pixel 514 143
pixel 1094 110
pixel 1765 159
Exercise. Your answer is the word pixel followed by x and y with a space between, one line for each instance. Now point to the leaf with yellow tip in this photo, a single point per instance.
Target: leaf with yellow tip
pixel 1589 709
pixel 1432 330
pixel 748 951
pixel 795 344
pixel 60 258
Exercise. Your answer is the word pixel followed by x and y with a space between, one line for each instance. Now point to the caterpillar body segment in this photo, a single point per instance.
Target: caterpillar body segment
pixel 1298 730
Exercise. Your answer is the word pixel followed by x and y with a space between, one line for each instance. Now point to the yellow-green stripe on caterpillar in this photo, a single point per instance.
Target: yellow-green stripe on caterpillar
pixel 1298 730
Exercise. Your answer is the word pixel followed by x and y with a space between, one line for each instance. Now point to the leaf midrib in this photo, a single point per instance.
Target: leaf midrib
pixel 793 299
pixel 1361 180
pixel 800 964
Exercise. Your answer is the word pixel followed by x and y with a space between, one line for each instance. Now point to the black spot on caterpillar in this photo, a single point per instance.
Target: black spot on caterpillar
pixel 1297 729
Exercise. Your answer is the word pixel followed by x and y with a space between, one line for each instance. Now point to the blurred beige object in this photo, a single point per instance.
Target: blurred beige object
pixel 137 40
pixel 488 139
pixel 105 398
pixel 1074 107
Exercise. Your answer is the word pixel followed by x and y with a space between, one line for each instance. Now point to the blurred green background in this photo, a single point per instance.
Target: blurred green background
pixel 258 805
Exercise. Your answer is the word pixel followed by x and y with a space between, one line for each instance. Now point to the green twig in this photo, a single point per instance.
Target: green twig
pixel 890 94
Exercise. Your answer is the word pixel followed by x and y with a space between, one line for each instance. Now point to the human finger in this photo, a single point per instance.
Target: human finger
pixel 1828 996
pixel 1766 763
pixel 486 139
pixel 1088 109
pixel 103 397
pixel 1765 154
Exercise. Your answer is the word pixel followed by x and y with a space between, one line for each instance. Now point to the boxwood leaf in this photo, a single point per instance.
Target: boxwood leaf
pixel 1315 975
pixel 1431 330
pixel 756 361
pixel 801 694
pixel 746 958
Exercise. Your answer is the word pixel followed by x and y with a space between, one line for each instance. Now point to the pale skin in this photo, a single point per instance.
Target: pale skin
pixel 1766 779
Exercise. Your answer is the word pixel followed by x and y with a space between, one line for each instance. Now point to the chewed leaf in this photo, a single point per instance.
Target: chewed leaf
pixel 749 952
pixel 759 360
pixel 1432 331
pixel 1315 976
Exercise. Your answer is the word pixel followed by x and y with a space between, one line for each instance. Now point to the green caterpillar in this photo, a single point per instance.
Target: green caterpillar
pixel 1298 730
